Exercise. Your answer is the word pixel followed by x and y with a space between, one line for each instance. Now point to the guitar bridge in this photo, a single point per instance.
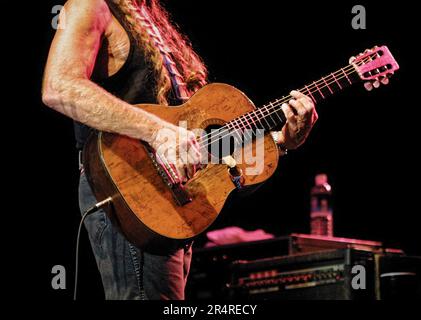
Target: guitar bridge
pixel 179 192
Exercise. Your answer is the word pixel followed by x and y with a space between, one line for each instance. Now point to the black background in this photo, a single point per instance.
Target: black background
pixel 366 142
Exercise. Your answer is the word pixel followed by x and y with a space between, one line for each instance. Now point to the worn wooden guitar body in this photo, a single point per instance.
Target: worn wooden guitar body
pixel 143 206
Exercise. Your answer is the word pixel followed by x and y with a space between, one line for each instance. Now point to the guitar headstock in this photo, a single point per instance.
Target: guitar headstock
pixel 375 66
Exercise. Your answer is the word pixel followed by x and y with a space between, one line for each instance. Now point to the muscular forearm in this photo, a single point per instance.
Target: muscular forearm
pixel 67 87
pixel 86 102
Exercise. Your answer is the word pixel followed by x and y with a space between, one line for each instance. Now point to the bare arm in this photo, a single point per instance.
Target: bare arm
pixel 67 87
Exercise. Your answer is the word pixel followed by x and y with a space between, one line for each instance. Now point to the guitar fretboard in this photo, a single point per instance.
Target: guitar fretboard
pixel 271 116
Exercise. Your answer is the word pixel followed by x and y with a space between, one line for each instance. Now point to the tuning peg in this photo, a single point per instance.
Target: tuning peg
pixel 352 59
pixel 390 74
pixel 376 84
pixel 385 80
pixel 368 86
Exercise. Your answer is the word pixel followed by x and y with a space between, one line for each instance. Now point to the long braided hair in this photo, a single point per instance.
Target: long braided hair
pixel 188 63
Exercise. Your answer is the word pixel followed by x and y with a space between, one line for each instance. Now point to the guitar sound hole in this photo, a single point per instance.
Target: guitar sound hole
pixel 219 143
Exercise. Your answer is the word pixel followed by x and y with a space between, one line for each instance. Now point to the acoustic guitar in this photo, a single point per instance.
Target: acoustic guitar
pixel 152 207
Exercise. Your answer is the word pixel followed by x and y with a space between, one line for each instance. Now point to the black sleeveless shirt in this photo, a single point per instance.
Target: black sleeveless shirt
pixel 134 83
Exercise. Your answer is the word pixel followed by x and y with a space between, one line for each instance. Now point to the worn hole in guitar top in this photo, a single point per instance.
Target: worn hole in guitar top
pixel 219 143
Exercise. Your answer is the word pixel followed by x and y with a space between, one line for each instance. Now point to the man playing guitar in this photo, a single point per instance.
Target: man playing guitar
pixel 110 55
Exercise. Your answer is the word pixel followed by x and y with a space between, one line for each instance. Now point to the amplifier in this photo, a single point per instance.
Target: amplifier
pixel 399 277
pixel 313 276
pixel 305 267
pixel 210 267
pixel 311 243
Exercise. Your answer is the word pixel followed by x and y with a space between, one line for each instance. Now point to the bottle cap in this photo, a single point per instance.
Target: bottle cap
pixel 321 179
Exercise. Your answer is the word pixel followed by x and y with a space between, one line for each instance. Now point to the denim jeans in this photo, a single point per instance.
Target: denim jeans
pixel 127 272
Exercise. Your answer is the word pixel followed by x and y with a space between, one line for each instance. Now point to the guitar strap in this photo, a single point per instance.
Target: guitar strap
pixel 177 81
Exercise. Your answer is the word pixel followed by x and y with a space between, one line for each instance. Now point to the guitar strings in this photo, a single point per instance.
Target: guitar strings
pixel 271 106
pixel 279 102
pixel 312 88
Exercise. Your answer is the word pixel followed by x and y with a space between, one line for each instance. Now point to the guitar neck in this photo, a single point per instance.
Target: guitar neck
pixel 271 117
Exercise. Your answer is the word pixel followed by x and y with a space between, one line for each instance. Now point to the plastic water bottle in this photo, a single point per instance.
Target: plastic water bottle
pixel 321 207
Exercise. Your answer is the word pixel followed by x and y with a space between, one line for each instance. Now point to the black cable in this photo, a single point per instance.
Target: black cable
pixel 93 209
